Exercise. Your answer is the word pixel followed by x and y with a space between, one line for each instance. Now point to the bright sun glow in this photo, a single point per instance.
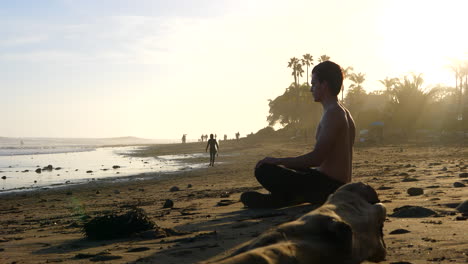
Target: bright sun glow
pixel 424 36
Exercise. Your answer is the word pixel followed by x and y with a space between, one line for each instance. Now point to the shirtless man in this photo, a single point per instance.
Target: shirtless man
pixel 293 180
pixel 214 148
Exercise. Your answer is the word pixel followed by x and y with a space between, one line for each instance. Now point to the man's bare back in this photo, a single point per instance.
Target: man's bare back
pixel 338 164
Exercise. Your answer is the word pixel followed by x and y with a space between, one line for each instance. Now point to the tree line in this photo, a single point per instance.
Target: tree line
pixel 404 104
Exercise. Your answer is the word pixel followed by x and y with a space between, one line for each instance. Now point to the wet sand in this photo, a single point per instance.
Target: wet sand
pixel 44 226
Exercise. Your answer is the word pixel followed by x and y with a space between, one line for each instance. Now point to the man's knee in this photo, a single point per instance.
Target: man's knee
pixel 265 170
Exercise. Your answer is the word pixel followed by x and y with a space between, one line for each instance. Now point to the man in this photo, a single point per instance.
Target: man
pixel 292 180
pixel 214 148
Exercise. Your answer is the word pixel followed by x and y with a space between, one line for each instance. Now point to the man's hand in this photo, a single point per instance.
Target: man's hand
pixel 268 160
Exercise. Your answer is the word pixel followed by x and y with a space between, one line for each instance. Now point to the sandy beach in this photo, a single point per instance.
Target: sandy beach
pixel 208 220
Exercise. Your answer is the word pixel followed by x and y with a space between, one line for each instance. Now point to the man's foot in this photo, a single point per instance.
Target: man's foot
pixel 259 200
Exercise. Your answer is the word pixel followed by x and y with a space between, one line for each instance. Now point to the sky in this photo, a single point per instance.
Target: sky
pixel 159 69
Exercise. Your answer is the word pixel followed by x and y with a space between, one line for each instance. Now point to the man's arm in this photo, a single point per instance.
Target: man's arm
pixel 331 127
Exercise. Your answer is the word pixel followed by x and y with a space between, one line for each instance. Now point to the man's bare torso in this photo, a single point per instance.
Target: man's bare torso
pixel 338 164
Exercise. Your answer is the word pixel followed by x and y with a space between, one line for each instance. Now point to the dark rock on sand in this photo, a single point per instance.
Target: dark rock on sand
pixel 48 167
pixel 89 171
pixel 84 256
pixel 104 258
pixel 409 179
pixel 382 188
pixel 174 189
pixel 403 174
pixel 458 184
pixel 225 202
pixel 3 177
pixel 168 203
pixel 38 170
pixel 415 191
pixel 409 211
pixel 463 175
pixel 189 186
pixel 399 231
pixel 138 249
pixel 463 207
pixel 116 167
pixel 452 205
pixel 460 218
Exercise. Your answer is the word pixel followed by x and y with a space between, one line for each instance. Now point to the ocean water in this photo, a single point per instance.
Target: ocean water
pixel 75 164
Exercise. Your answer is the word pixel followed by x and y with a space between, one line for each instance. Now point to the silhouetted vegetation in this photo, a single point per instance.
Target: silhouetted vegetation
pixel 406 106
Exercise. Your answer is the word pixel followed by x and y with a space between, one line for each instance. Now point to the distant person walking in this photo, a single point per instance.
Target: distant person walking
pixel 237 135
pixel 184 138
pixel 214 148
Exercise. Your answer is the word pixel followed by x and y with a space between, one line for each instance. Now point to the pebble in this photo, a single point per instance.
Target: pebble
pixel 382 188
pixel 415 191
pixel 174 189
pixel 458 185
pixel 399 231
pixel 409 211
pixel 168 204
pixel 463 175
pixel 463 207
pixel 408 179
pixel 138 249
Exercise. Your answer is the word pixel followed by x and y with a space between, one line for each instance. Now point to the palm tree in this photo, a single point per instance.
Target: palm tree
pixel 346 73
pixel 389 84
pixel 299 71
pixel 293 65
pixel 357 79
pixel 307 60
pixel 324 58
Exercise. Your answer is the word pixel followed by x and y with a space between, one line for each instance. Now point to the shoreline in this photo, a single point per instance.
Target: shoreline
pixel 44 226
pixel 80 167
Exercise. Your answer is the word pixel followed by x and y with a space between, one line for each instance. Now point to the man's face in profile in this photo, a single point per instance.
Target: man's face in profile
pixel 316 89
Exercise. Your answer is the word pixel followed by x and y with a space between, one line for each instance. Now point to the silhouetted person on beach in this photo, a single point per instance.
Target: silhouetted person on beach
pixel 184 138
pixel 237 135
pixel 293 180
pixel 214 148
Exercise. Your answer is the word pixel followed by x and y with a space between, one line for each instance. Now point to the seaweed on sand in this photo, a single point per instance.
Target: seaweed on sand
pixel 113 225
